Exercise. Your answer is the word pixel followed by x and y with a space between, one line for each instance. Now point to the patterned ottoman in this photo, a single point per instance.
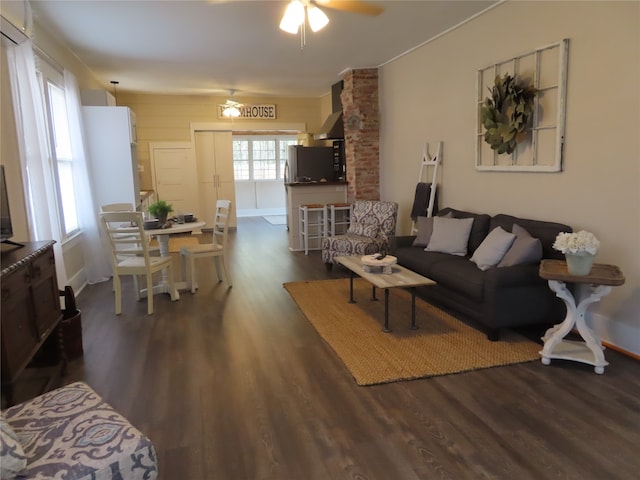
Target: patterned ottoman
pixel 72 434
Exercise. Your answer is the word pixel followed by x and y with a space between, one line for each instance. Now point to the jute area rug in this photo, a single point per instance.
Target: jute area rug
pixel 441 345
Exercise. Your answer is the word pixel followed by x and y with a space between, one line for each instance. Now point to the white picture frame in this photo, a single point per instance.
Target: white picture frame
pixel 545 68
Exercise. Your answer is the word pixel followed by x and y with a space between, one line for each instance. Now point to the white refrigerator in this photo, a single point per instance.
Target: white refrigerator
pixel 113 158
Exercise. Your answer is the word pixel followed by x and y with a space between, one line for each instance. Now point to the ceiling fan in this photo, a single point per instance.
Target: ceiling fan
pixel 231 108
pixel 299 10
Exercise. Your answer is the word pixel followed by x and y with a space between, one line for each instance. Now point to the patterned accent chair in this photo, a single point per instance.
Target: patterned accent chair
pixel 72 433
pixel 373 225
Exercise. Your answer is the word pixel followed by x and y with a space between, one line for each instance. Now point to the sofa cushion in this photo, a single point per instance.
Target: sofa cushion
pixel 417 260
pixel 480 227
pixel 461 275
pixel 525 249
pixel 12 457
pixel 492 249
pixel 450 235
pixel 545 231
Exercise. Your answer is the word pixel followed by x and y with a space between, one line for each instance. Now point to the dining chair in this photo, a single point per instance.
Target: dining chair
pixel 117 207
pixel 126 233
pixel 127 207
pixel 216 249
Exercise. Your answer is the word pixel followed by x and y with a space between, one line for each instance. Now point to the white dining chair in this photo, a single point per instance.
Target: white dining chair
pixel 128 207
pixel 126 233
pixel 216 249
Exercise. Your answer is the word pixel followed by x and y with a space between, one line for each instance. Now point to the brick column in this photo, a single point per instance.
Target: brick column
pixel 361 134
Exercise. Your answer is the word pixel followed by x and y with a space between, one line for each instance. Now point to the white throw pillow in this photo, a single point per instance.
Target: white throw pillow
pixel 493 248
pixel 450 235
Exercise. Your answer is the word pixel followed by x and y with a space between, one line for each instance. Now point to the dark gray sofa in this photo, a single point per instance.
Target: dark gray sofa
pixel 498 297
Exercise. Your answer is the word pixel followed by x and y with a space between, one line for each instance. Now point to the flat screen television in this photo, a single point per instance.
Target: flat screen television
pixel 6 229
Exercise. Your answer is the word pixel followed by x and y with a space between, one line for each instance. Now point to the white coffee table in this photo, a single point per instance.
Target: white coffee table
pixel 399 277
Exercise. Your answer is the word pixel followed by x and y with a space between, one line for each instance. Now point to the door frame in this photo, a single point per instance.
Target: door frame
pixel 175 146
pixel 248 127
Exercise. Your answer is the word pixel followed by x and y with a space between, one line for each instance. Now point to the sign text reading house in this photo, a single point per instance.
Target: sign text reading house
pixel 252 111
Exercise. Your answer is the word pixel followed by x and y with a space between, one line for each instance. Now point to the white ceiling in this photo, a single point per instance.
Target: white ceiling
pixel 212 47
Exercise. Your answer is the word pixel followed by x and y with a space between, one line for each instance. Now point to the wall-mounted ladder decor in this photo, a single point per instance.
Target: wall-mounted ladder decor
pixel 544 68
pixel 428 161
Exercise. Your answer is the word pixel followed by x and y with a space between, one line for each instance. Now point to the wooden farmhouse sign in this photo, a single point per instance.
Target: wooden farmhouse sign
pixel 261 112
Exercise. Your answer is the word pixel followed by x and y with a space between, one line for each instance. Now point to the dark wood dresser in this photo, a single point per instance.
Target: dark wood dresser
pixel 30 307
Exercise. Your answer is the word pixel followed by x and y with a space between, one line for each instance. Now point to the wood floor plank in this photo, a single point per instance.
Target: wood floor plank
pixel 234 384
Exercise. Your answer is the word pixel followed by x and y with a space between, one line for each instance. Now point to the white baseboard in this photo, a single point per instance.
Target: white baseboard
pixel 77 282
pixel 619 334
pixel 258 212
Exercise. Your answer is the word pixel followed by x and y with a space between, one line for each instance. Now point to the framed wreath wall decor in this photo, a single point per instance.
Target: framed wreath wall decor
pixel 506 114
pixel 520 125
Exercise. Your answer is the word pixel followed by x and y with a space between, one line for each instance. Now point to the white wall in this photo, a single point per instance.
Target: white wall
pixel 429 95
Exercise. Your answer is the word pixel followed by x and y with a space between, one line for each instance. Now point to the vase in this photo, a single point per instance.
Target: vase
pixel 579 263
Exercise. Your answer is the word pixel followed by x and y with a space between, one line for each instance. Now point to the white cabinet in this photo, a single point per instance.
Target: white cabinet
pixel 214 163
pixel 113 158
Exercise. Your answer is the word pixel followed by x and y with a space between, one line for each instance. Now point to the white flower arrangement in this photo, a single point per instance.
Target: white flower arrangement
pixel 580 242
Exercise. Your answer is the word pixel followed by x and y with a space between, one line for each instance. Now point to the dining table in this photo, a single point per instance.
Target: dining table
pixel 163 235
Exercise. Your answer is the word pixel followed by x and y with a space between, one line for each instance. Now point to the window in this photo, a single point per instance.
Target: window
pixel 261 157
pixel 52 84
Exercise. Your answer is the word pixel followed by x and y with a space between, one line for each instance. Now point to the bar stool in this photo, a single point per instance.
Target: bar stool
pixel 337 214
pixel 312 223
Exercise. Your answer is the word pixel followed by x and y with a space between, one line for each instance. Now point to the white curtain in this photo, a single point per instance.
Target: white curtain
pixel 34 151
pixel 96 264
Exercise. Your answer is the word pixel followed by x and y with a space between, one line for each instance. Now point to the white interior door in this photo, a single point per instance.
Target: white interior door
pixel 174 176
pixel 214 159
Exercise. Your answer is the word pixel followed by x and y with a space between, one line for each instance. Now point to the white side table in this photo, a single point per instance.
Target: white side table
pixel 589 289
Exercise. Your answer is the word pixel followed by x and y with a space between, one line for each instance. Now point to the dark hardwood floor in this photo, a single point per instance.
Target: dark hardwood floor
pixel 235 384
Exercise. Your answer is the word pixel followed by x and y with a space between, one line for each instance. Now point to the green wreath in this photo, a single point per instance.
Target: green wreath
pixel 506 114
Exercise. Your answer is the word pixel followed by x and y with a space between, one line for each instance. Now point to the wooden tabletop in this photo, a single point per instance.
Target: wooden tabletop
pixel 601 274
pixel 401 276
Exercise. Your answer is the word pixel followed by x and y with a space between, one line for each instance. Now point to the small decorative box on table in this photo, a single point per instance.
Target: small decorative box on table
pixel 373 264
pixel 589 289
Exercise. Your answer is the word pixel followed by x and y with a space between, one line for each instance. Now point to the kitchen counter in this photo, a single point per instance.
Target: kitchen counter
pixel 309 192
pixel 315 184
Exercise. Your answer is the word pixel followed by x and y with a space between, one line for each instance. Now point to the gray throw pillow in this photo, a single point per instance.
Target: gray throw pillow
pixel 493 248
pixel 450 235
pixel 425 230
pixel 525 249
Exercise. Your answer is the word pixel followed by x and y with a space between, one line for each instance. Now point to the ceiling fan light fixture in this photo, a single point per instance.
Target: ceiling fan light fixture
pixel 317 18
pixel 293 17
pixel 231 112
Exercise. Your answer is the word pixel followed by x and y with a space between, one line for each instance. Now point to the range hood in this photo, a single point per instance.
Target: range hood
pixel 332 129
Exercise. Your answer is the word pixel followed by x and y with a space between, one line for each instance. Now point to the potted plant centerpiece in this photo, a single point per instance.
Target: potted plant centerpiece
pixel 579 249
pixel 160 210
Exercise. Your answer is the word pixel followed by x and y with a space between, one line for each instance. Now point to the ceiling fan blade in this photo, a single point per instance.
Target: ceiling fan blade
pixel 353 6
